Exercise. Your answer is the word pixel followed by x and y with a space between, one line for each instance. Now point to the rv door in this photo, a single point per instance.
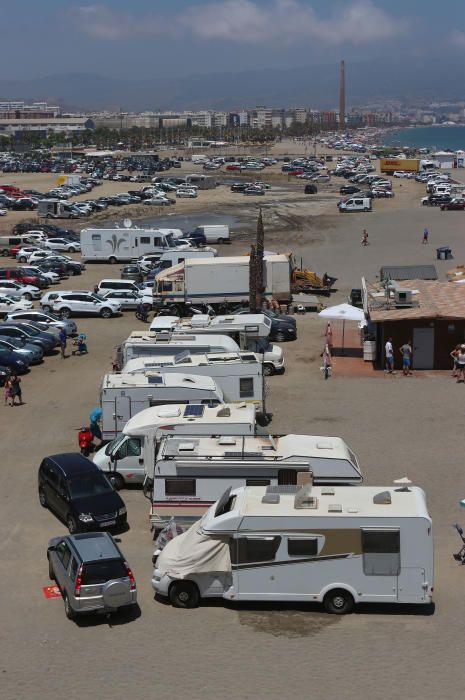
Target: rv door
pixel 254 566
pixel 122 412
pixel 380 562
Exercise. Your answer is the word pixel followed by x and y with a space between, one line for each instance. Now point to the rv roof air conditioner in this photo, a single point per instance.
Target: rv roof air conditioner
pixel 383 498
pixel 304 499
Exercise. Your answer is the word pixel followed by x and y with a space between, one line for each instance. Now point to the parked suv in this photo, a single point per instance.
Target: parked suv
pixel 77 491
pixel 111 284
pixel 44 320
pixel 91 573
pixel 68 303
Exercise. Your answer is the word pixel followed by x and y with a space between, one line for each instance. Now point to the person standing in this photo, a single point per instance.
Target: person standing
pixel 16 390
pixel 454 355
pixel 94 418
pixel 329 336
pixel 364 237
pixel 406 352
pixel 461 364
pixel 389 355
pixel 63 340
pixel 8 398
pixel 425 236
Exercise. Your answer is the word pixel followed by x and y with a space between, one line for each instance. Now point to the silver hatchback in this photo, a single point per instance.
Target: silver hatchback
pixel 91 573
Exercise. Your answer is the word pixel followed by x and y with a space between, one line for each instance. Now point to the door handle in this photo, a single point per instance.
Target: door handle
pixel 141 461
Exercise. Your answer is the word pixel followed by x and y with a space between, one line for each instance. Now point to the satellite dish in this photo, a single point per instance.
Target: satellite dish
pixel 127 223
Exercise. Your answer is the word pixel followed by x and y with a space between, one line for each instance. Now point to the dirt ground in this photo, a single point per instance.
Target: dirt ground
pixel 397 426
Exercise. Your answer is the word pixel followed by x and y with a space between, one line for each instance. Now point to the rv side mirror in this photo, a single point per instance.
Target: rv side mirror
pixel 112 457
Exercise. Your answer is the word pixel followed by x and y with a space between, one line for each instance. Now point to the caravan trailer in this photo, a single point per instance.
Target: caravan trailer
pixel 338 546
pixel 124 395
pixel 130 457
pixel 191 474
pixel 124 244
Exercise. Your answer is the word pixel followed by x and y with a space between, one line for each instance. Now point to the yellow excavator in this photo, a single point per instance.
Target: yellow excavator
pixel 304 280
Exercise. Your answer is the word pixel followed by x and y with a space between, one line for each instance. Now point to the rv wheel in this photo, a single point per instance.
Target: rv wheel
pixel 184 594
pixel 112 260
pixel 338 602
pixel 268 370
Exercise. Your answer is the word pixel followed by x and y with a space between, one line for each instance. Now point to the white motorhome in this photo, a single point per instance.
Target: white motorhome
pixel 338 546
pixel 124 244
pixel 172 257
pixel 239 375
pixel 143 344
pixel 250 331
pixel 191 474
pixel 124 395
pixel 130 457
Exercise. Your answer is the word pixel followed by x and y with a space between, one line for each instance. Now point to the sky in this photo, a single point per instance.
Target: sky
pixel 145 38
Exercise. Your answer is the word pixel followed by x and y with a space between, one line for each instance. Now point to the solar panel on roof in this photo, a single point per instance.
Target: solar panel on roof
pixel 155 380
pixel 194 409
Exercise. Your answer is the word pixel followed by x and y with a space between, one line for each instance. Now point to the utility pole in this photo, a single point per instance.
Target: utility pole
pixel 342 97
pixel 252 279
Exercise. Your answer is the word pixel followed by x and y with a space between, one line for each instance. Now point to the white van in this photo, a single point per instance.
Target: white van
pixel 355 204
pixel 338 546
pixel 217 233
pixel 108 285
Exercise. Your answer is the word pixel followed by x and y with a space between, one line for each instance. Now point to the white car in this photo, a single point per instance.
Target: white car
pixel 62 244
pixel 36 256
pixel 399 173
pixel 3 212
pixel 69 303
pixel 23 253
pixel 184 192
pixel 19 291
pixel 129 300
pixel 45 320
pixel 9 304
pixel 160 201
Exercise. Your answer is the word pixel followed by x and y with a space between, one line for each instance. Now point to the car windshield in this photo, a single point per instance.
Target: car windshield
pixel 15 342
pixel 102 571
pixel 89 484
pixel 98 297
pixel 32 329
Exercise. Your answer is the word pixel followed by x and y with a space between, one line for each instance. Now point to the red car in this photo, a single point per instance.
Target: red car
pixel 297 171
pixel 15 249
pixel 454 205
pixel 18 275
pixel 233 167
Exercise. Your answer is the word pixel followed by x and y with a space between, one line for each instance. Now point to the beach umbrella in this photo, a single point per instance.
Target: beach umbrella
pixel 343 312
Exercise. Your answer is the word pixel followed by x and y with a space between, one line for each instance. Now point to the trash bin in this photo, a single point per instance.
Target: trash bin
pixel 444 253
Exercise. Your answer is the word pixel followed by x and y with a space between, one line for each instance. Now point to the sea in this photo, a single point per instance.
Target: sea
pixel 431 137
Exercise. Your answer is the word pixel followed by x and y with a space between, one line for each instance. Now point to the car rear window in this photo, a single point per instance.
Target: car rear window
pixel 103 571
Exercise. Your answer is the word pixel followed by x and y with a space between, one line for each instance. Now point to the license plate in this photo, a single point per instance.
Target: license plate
pixel 109 522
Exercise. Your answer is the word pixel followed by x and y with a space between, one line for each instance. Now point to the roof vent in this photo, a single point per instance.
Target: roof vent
pixel 226 440
pixel 304 498
pixel 327 491
pixel 324 445
pixel 224 412
pixel 186 447
pixel 334 508
pixel 271 498
pixel 383 498
pixel 283 489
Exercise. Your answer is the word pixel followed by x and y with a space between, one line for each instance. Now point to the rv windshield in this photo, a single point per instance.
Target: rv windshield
pixel 114 444
pixel 170 241
pixel 261 345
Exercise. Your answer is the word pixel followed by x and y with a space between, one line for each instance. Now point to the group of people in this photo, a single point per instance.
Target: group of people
pixel 13 391
pixel 406 353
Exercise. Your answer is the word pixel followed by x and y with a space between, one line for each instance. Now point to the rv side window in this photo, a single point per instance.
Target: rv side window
pixel 166 286
pixel 129 448
pixel 180 487
pixel 381 552
pixel 246 550
pixel 245 387
pixel 257 482
pixel 145 239
pixel 302 547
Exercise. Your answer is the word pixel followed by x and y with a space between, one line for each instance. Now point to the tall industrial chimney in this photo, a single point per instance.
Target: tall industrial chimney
pixel 342 97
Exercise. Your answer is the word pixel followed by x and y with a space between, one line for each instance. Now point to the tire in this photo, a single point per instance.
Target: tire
pixel 71 250
pixel 338 602
pixel 6 253
pixel 69 612
pixel 23 259
pixel 280 337
pixel 85 451
pixel 42 499
pixel 112 260
pixel 71 525
pixel 51 573
pixel 184 594
pixel 27 296
pixel 47 308
pixel 268 370
pixel 65 312
pixel 117 481
pixel 106 313
pixel 366 209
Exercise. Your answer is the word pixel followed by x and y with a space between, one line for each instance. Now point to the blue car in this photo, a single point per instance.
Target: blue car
pixel 13 360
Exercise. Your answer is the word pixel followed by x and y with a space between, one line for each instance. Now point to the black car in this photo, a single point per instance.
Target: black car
pixel 71 267
pixel 435 200
pixel 80 494
pixel 240 186
pixel 349 189
pixel 311 188
pixel 4 374
pixel 15 361
pixel 283 327
pixel 58 268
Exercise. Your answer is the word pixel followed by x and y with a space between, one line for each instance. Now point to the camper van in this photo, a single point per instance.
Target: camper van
pixel 124 244
pixel 56 209
pixel 130 457
pixel 355 204
pixel 338 546
pixel 124 395
pixel 250 331
pixel 239 375
pixel 143 344
pixel 191 474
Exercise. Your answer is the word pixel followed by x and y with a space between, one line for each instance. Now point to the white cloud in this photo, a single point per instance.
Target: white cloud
pixel 247 22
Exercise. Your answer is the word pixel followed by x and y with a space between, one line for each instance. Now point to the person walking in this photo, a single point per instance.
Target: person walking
pixel 364 240
pixel 425 236
pixel 7 386
pixel 16 390
pixel 454 355
pixel 327 361
pixel 389 355
pixel 63 340
pixel 406 352
pixel 461 364
pixel 94 418
pixel 329 336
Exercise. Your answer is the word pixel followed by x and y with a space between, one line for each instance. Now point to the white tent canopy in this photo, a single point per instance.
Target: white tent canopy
pixel 343 312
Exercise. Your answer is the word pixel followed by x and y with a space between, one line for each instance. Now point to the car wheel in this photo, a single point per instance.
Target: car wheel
pixel 23 259
pixel 338 602
pixel 42 498
pixel 280 337
pixel 117 481
pixel 65 312
pixel 51 573
pixel 71 525
pixel 71 250
pixel 106 313
pixel 69 612
pixel 268 370
pixel 184 594
pixel 27 296
pixel 6 253
pixel 47 308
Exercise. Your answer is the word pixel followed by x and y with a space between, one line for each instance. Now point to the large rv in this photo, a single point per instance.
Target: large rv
pixel 124 244
pixel 130 457
pixel 191 474
pixel 338 546
pixel 239 375
pixel 124 395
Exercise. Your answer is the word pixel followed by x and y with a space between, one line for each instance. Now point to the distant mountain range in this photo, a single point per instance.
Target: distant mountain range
pixel 315 86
